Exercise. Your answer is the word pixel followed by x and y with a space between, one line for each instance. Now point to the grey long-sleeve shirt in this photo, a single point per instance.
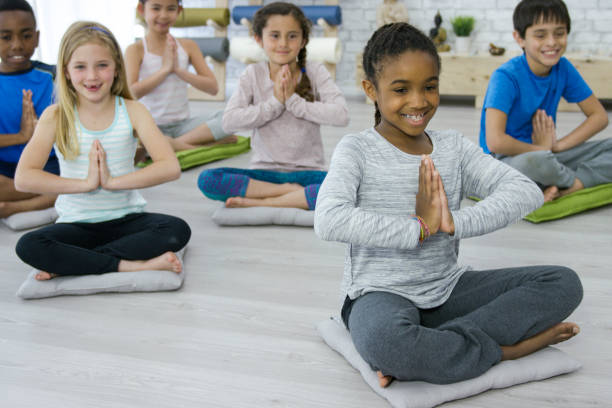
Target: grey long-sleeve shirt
pixel 368 200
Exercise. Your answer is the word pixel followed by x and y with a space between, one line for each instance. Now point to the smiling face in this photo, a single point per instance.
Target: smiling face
pixel 282 39
pixel 407 95
pixel 91 71
pixel 159 15
pixel 18 40
pixel 544 45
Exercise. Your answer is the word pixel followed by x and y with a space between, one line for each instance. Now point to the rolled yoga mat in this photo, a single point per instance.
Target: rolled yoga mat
pixel 191 17
pixel 331 14
pixel 321 49
pixel 215 47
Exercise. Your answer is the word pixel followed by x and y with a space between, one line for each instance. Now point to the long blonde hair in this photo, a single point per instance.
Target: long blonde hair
pixel 78 34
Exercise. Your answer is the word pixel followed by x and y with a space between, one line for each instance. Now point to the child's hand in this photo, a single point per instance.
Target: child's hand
pixel 289 83
pixel 543 134
pixel 428 202
pixel 105 176
pixel 447 224
pixel 170 55
pixel 279 85
pixel 28 116
pixel 93 174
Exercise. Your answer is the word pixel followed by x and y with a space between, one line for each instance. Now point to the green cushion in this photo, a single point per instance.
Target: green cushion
pixel 570 204
pixel 207 154
pixel 574 203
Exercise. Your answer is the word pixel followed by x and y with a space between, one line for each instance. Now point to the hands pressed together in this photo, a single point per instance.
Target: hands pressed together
pixel 284 84
pixel 170 55
pixel 431 200
pixel 98 174
pixel 28 116
pixel 544 133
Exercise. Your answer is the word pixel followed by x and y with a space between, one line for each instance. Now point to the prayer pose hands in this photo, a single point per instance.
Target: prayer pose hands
pixel 544 133
pixel 284 84
pixel 98 174
pixel 28 116
pixel 431 200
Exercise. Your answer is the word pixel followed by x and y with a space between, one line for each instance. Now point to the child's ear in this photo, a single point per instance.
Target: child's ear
pixel 36 38
pixel 370 89
pixel 258 40
pixel 519 40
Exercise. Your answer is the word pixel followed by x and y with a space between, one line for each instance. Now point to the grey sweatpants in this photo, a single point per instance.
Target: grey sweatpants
pixel 461 338
pixel 590 162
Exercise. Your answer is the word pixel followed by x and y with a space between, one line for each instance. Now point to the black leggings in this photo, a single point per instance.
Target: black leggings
pixel 82 248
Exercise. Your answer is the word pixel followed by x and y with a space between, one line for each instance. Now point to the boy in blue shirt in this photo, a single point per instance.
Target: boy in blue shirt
pixel 519 112
pixel 26 88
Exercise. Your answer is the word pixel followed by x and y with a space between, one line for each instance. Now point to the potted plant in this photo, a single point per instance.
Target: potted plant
pixel 462 27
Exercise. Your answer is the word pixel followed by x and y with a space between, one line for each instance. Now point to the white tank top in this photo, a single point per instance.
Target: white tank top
pixel 100 205
pixel 168 102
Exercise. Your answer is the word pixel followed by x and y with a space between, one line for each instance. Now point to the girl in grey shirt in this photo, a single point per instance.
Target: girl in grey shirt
pixel 393 194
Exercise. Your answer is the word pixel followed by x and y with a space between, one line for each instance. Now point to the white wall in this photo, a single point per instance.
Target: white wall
pixel 591 24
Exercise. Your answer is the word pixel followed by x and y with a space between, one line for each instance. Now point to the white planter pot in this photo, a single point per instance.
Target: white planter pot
pixel 462 45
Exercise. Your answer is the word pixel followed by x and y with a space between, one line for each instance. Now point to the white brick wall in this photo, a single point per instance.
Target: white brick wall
pixel 591 26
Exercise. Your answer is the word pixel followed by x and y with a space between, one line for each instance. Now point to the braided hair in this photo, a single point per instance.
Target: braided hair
pixel 304 87
pixel 389 41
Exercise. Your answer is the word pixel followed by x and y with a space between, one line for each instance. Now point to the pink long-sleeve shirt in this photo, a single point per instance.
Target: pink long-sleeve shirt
pixel 285 136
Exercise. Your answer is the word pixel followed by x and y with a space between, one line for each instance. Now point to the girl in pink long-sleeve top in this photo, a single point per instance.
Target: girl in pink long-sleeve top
pixel 284 100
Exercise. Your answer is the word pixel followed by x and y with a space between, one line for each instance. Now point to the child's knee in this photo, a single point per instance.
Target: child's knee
pixel 571 286
pixel 28 246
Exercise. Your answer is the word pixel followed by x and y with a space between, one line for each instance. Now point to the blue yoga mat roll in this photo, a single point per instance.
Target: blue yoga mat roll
pixel 216 47
pixel 331 14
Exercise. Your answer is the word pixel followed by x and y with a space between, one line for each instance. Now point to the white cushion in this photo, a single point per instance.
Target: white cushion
pixel 141 281
pixel 263 216
pixel 30 219
pixel 545 363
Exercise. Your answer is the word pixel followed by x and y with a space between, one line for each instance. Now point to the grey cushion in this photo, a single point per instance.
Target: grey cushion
pixel 30 219
pixel 545 363
pixel 141 281
pixel 263 216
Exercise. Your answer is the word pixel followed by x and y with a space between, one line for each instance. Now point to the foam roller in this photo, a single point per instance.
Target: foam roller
pixel 191 17
pixel 331 14
pixel 246 50
pixel 215 47
pixel 321 49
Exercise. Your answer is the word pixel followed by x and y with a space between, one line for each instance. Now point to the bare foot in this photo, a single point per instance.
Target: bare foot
pixel 384 380
pixel 165 262
pixel 6 209
pixel 242 202
pixel 556 334
pixel 550 193
pixel 43 276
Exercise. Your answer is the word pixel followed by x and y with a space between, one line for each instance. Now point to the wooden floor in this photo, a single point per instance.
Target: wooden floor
pixel 241 332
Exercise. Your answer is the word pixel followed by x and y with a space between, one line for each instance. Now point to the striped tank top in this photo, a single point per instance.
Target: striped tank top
pixel 168 102
pixel 100 205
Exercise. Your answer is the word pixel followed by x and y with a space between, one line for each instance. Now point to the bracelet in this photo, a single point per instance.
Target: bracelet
pixel 424 228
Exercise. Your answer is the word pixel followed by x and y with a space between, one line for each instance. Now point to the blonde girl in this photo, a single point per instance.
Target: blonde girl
pixel 94 128
pixel 158 75
pixel 284 100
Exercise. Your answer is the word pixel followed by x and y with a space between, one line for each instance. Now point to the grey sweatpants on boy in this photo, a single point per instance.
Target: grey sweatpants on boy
pixel 590 162
pixel 461 338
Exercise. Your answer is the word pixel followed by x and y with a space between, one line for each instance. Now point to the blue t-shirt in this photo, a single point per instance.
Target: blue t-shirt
pixel 519 93
pixel 39 79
